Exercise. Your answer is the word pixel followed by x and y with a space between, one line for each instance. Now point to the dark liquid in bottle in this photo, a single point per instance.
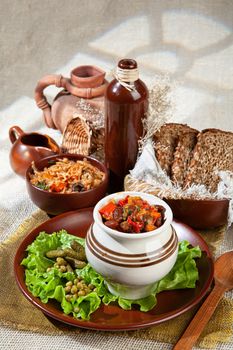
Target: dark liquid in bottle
pixel 125 111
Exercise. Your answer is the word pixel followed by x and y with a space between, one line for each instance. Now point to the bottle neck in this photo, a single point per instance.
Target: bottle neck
pixel 127 75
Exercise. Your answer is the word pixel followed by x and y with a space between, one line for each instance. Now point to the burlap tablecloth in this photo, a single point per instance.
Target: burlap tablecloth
pixel 18 313
pixel 190 40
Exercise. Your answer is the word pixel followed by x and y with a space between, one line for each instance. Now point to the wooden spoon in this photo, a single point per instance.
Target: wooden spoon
pixel 223 277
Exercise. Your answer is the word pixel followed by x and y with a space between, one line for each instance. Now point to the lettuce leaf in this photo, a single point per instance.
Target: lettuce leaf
pixel 184 273
pixel 50 285
pixel 144 304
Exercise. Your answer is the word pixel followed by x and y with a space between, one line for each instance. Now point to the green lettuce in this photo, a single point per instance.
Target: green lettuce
pixel 184 273
pixel 50 284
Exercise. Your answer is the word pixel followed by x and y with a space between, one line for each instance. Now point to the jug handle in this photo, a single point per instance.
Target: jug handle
pixel 14 133
pixel 41 101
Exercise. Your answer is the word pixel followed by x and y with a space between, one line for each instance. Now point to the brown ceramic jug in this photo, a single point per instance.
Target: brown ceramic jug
pixel 28 147
pixel 85 82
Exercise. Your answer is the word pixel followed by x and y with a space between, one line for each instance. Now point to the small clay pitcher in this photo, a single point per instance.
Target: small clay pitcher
pixel 28 147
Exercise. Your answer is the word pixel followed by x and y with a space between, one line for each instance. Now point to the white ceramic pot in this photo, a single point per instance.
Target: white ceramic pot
pixel 131 263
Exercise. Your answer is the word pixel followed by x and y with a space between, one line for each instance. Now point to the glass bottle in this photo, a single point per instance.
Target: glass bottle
pixel 126 102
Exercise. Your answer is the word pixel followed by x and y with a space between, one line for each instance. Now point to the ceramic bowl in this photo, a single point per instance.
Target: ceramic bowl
pixel 57 203
pixel 200 214
pixel 131 262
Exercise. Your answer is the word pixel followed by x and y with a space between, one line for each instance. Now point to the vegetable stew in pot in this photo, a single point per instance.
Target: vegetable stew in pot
pixel 132 215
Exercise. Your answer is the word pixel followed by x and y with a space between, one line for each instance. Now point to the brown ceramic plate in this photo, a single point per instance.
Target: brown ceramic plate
pixel 112 317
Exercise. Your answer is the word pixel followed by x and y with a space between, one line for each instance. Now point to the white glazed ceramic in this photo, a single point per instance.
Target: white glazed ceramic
pixel 131 262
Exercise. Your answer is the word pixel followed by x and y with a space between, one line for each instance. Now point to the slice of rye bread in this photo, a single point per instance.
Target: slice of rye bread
pixel 165 142
pixel 182 156
pixel 213 152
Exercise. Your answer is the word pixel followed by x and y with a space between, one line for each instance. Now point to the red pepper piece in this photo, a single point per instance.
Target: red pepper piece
pixel 57 187
pixel 108 210
pixel 122 202
pixel 137 226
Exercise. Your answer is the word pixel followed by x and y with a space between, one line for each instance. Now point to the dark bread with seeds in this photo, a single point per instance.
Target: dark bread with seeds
pixel 165 142
pixel 182 156
pixel 213 152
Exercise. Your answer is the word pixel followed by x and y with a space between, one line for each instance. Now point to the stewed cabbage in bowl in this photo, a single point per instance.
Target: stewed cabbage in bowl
pixel 66 182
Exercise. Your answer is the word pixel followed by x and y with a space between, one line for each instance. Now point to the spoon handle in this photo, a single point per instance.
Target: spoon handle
pixel 200 319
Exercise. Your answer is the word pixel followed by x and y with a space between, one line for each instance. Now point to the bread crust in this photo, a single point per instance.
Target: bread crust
pixel 213 152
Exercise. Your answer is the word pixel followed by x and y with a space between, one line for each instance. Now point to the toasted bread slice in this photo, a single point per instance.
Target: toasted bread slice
pixel 165 140
pixel 213 152
pixel 182 156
